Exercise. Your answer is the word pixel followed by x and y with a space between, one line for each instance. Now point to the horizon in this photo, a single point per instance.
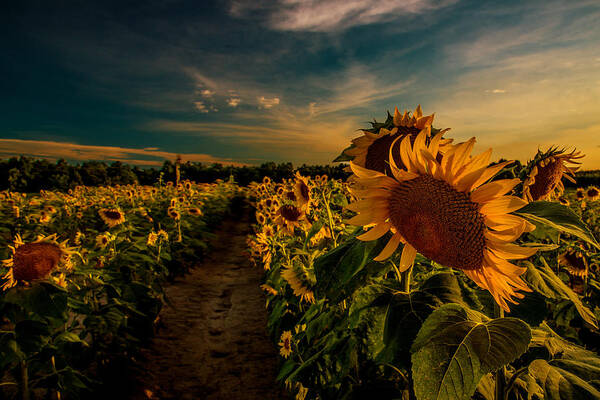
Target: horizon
pixel 237 83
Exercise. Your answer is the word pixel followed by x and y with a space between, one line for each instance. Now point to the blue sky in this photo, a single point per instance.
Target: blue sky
pixel 246 82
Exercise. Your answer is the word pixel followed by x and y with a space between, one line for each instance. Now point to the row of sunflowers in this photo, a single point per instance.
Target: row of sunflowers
pixel 432 273
pixel 83 274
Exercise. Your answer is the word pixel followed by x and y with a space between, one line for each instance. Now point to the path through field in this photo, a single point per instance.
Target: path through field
pixel 213 342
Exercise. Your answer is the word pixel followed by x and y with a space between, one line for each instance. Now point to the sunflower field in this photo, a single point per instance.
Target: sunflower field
pixel 432 273
pixel 83 274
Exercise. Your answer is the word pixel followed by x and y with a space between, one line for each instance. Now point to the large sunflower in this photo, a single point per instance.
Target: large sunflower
pixel 36 260
pixel 446 211
pixel 371 150
pixel 546 171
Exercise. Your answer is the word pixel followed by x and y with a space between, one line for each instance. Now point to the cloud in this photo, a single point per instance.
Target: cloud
pixel 233 102
pixel 207 93
pixel 496 91
pixel 267 103
pixel 200 106
pixel 330 15
pixel 150 156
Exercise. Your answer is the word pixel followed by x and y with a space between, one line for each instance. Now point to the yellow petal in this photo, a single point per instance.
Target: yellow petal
pixel 408 257
pixel 502 205
pixel 491 190
pixel 375 233
pixel 389 248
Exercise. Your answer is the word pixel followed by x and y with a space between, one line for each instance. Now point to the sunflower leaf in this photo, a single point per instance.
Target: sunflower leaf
pixel 559 383
pixel 543 280
pixel 343 156
pixel 558 217
pixel 456 347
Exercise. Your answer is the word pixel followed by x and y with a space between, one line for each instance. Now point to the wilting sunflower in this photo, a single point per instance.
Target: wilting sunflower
pixel 592 193
pixel 112 217
pixel 300 278
pixel 372 150
pixel 446 211
pixel 285 344
pixel 546 171
pixel 36 260
pixel 580 194
pixel 575 263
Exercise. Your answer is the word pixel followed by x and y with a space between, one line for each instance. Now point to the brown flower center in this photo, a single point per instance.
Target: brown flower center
pixel 546 179
pixel 290 196
pixel 35 260
pixel 379 151
pixel 440 222
pixel 290 212
pixel 111 214
pixel 304 190
pixel 592 192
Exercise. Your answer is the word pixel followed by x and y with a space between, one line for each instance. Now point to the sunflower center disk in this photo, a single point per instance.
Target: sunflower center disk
pixel 35 260
pixel 379 151
pixel 291 213
pixel 440 222
pixel 546 179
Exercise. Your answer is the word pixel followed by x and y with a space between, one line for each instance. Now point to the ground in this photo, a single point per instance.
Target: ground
pixel 212 342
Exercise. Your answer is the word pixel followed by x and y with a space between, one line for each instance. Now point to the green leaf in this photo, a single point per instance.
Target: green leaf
pixel 456 347
pixel 558 217
pixel 560 384
pixel 543 280
pixel 344 157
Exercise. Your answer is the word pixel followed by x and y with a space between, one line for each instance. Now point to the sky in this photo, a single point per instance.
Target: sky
pixel 246 81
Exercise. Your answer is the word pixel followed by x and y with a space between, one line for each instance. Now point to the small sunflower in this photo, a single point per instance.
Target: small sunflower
pixel 546 171
pixel 44 217
pixel 580 194
pixel 102 240
pixel 152 239
pixel 162 235
pixel 300 279
pixel 173 213
pixel 575 263
pixel 285 344
pixel 563 200
pixel 269 289
pixel 290 217
pixel 195 211
pixel 112 216
pixel 592 193
pixel 371 150
pixel 302 191
pixel 446 211
pixel 36 260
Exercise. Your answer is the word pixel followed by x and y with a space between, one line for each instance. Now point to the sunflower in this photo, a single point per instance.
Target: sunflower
pixel 269 289
pixel 44 217
pixel 162 235
pixel 152 238
pixel 290 217
pixel 260 218
pixel 195 211
pixel 564 201
pixel 592 193
pixel 112 216
pixel 446 211
pixel 301 191
pixel 580 194
pixel 102 240
pixel 36 260
pixel 285 344
pixel 575 263
pixel 300 279
pixel 546 171
pixel 371 150
pixel 173 213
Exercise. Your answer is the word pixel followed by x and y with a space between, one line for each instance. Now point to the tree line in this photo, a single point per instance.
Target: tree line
pixel 26 174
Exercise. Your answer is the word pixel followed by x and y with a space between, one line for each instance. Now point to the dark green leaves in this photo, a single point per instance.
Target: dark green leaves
pixel 560 384
pixel 543 280
pixel 558 217
pixel 456 347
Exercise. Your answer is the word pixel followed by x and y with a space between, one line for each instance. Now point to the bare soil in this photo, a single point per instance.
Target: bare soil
pixel 213 342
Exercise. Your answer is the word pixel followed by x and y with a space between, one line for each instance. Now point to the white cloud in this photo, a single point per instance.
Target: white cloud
pixel 312 108
pixel 207 93
pixel 330 15
pixel 233 102
pixel 200 106
pixel 496 91
pixel 268 103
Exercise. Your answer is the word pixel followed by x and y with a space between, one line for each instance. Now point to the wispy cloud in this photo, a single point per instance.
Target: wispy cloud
pixel 267 103
pixel 330 15
pixel 149 156
pixel 233 101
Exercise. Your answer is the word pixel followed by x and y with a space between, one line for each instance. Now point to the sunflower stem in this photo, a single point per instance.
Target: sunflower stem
pixel 501 373
pixel 24 381
pixel 329 217
pixel 406 277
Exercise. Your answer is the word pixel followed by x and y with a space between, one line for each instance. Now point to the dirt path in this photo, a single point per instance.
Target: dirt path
pixel 213 342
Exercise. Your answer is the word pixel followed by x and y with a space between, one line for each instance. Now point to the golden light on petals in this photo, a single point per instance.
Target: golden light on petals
pixel 445 208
